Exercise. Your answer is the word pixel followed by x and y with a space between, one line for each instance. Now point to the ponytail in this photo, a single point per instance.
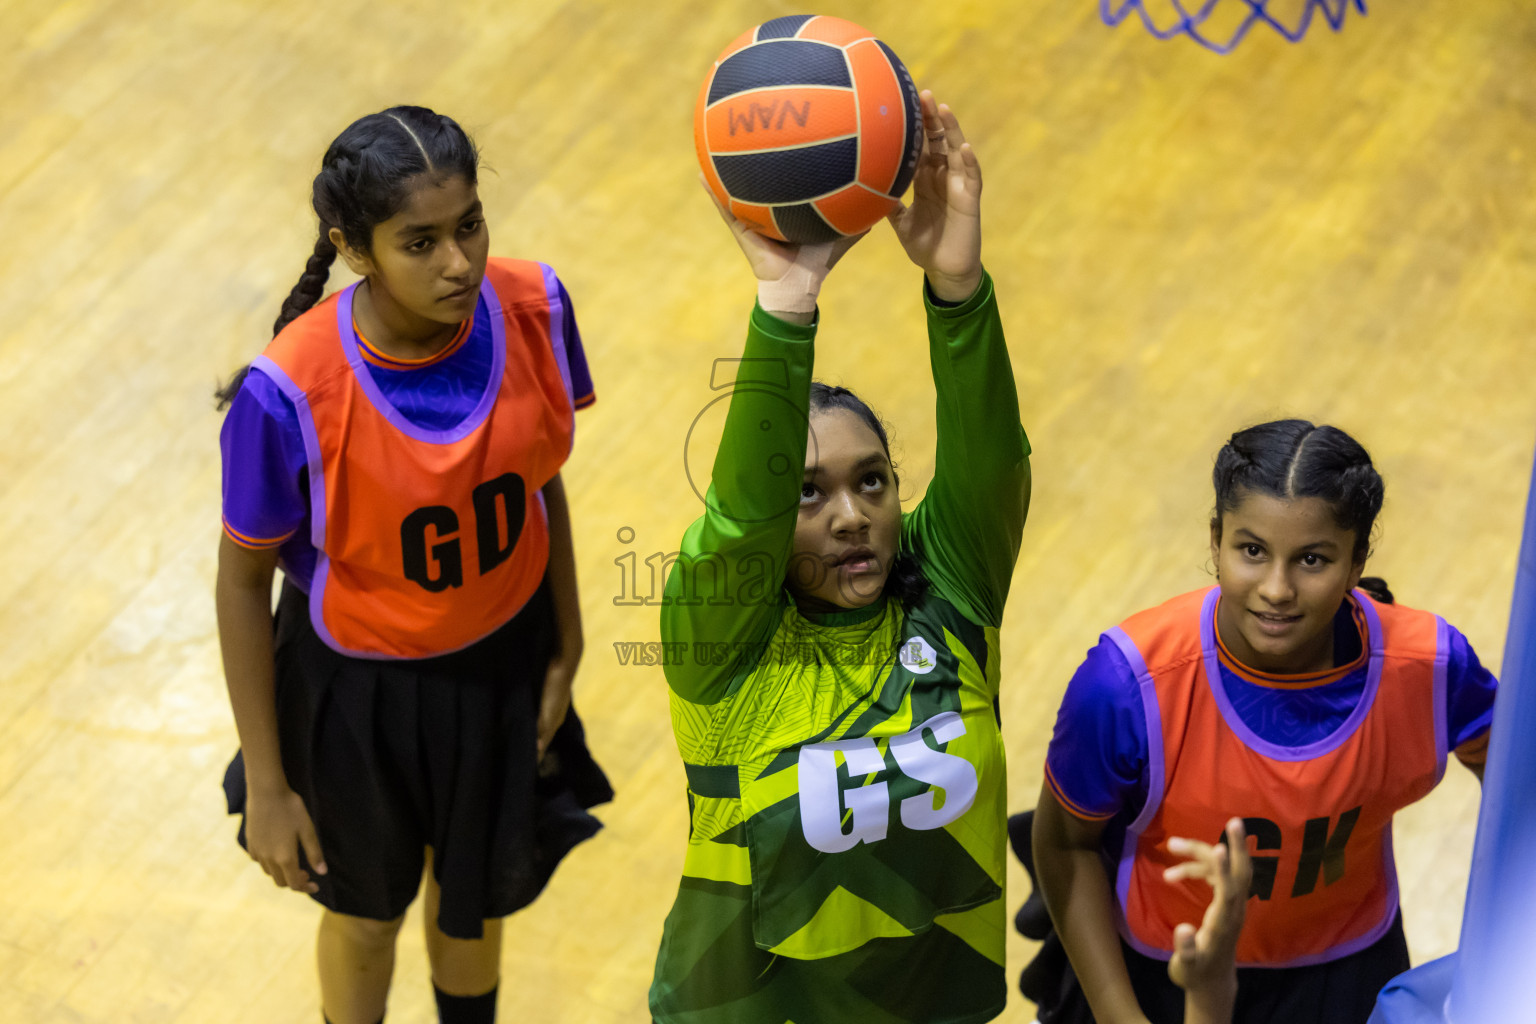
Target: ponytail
pixel 906 582
pixel 1377 588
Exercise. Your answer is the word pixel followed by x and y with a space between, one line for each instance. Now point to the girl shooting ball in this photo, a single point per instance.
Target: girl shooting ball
pixel 396 451
pixel 846 776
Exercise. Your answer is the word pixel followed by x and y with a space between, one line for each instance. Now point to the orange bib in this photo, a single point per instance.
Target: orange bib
pixel 1318 817
pixel 428 540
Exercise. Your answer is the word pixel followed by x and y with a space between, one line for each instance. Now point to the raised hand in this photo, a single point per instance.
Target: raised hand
pixel 941 229
pixel 789 275
pixel 1204 959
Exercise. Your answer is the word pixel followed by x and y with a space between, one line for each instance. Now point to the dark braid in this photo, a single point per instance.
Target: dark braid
pixel 906 581
pixel 1296 459
pixel 365 178
pixel 311 283
pixel 1377 588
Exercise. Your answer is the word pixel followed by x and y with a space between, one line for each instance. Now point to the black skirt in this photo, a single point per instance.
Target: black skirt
pixel 392 757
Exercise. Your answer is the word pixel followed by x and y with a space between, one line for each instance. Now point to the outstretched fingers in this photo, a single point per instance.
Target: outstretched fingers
pixel 1201 863
pixel 769 258
pixel 1237 876
pixel 1228 869
pixel 737 226
pixel 1204 958
pixel 933 161
pixel 954 135
pixel 935 140
pixel 941 229
pixel 1242 861
pixel 943 137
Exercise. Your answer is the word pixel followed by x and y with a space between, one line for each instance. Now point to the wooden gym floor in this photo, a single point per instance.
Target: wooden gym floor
pixel 1183 244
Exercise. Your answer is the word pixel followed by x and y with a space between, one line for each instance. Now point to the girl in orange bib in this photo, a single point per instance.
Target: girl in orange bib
pixel 1294 695
pixel 396 451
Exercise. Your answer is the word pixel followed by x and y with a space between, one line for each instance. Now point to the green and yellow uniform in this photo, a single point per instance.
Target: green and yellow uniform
pixel 845 771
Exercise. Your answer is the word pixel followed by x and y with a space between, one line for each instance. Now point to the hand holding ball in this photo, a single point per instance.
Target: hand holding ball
pixel 808 128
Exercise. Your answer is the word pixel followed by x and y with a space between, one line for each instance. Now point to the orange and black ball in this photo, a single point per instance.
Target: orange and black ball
pixel 808 127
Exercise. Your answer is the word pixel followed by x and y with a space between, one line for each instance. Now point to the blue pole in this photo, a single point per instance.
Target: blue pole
pixel 1495 974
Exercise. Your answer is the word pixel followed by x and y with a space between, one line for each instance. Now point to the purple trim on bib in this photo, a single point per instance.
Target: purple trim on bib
pixel 488 302
pixel 1252 740
pixel 316 470
pixel 1442 665
pixel 314 467
pixel 1155 782
pixel 557 337
pixel 1151 952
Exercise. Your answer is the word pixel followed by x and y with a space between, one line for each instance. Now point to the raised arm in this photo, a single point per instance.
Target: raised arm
pixel 966 530
pixel 746 534
pixel 1204 962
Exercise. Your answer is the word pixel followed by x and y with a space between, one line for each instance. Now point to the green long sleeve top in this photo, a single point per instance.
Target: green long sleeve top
pixel 845 771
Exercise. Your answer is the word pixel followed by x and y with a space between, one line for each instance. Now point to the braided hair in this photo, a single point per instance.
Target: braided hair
pixel 905 581
pixel 1290 459
pixel 364 180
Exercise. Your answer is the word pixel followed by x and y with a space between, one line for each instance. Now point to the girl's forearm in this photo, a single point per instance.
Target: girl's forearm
pixel 243 596
pixel 562 572
pixel 1211 1007
pixel 1077 894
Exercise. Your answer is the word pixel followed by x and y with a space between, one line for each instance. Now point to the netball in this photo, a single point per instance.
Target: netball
pixel 808 128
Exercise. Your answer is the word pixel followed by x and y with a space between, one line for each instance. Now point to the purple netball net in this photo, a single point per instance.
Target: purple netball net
pixel 1219 25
